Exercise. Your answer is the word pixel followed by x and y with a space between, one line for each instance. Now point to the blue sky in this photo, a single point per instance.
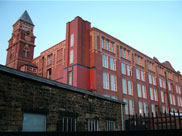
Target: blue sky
pixel 154 27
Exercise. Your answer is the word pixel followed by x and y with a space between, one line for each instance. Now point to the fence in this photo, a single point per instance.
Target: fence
pixel 165 120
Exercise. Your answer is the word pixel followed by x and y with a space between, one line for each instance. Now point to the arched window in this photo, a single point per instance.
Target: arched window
pixel 26 52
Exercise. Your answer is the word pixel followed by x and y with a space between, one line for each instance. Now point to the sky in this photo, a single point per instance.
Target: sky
pixel 152 27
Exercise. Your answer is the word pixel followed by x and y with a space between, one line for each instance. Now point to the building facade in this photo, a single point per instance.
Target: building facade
pixel 93 60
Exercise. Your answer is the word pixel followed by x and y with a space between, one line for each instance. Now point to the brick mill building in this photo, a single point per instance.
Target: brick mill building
pixel 93 60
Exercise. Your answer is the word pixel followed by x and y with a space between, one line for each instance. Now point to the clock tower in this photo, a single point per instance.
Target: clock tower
pixel 21 44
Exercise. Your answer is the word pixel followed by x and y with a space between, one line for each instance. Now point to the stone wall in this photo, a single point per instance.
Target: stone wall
pixel 24 93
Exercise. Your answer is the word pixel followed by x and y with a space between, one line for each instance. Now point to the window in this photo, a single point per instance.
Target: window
pixel 107 44
pixel 72 40
pixel 102 42
pixel 140 108
pixel 105 80
pixel 144 91
pixel 142 76
pixel 174 100
pixel 160 82
pixel 112 63
pixel 128 70
pixel 137 74
pixel 155 95
pixel 123 70
pixel 49 59
pixel 71 56
pixel 150 80
pixel 153 109
pixel 145 107
pixel 130 92
pixel 153 80
pixel 104 60
pixel 25 52
pixel 124 55
pixel 112 47
pixel 139 90
pixel 164 84
pixel 70 78
pixel 128 54
pixel 126 106
pixel 151 94
pixel 49 73
pixel 93 125
pixel 67 124
pixel 162 96
pixel 131 107
pixel 124 86
pixel 110 125
pixel 114 97
pixel 169 86
pixel 113 82
pixel 34 122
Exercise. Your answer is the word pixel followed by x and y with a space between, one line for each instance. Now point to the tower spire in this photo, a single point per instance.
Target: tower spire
pixel 26 18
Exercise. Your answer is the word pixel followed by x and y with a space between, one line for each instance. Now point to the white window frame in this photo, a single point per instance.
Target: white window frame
pixel 72 40
pixel 124 86
pixel 105 80
pixel 113 82
pixel 104 60
pixel 71 56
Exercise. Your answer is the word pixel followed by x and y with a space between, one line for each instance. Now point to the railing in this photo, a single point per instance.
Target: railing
pixel 160 121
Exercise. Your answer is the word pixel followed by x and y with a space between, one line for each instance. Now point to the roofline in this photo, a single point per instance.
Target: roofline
pixel 53 83
pixel 98 30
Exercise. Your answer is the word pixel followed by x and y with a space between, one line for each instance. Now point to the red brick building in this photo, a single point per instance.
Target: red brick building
pixel 93 60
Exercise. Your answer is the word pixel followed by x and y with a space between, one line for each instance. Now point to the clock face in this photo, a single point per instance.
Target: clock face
pixel 27 38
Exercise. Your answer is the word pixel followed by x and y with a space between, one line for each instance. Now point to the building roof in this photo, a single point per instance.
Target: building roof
pixel 26 18
pixel 53 83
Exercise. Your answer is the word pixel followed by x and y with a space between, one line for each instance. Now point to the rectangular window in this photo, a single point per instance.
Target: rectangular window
pixel 153 109
pixel 112 47
pixel 123 69
pixel 153 80
pixel 121 54
pixel 162 96
pixel 151 94
pixel 93 125
pixel 144 91
pixel 105 80
pixel 70 79
pixel 34 122
pixel 131 107
pixel 110 125
pixel 160 82
pixel 72 40
pixel 130 92
pixel 49 59
pixel 128 70
pixel 140 108
pixel 155 95
pixel 113 82
pixel 102 42
pixel 174 100
pixel 67 124
pixel 150 80
pixel 124 86
pixel 171 100
pixel 112 63
pixel 139 90
pixel 107 44
pixel 145 107
pixel 164 84
pixel 137 74
pixel 142 76
pixel 126 106
pixel 124 55
pixel 71 56
pixel 169 86
pixel 49 72
pixel 104 60
pixel 128 54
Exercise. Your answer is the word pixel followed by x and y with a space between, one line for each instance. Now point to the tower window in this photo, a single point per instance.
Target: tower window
pixel 49 59
pixel 70 78
pixel 25 53
pixel 49 73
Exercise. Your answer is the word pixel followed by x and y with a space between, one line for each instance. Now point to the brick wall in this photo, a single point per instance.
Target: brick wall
pixel 24 93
